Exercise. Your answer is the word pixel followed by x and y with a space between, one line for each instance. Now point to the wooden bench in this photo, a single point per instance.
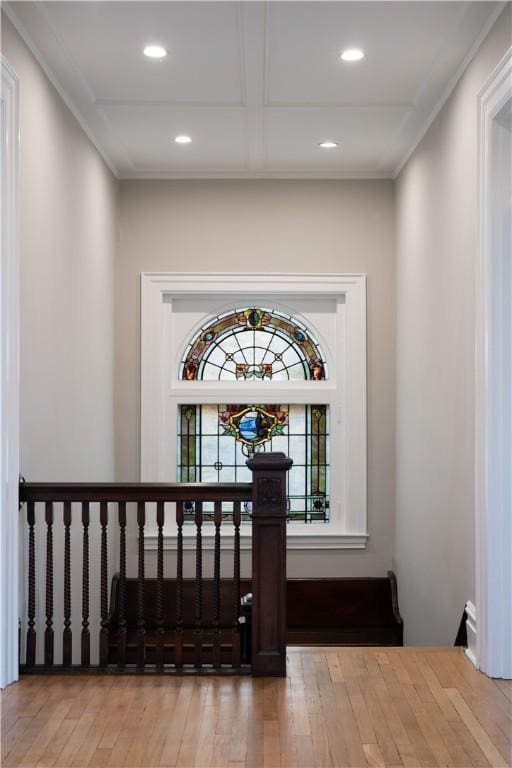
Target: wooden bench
pixel 348 611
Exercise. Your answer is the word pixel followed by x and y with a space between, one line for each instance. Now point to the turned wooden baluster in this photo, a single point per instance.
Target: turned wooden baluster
pixel 198 632
pixel 141 620
pixel 216 587
pixel 178 634
pixel 31 631
pixel 121 629
pixel 85 637
pixel 48 634
pixel 104 584
pixel 235 652
pixel 160 512
pixel 67 637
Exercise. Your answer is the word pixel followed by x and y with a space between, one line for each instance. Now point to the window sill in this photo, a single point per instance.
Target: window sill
pixel 310 540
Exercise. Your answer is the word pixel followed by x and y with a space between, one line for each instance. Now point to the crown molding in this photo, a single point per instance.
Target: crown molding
pixel 450 88
pixel 7 8
pixel 284 174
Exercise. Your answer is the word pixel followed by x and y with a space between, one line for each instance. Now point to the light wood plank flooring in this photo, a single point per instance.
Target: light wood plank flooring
pixel 338 707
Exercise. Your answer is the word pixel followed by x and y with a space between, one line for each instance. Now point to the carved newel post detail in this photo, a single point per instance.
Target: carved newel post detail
pixel 269 513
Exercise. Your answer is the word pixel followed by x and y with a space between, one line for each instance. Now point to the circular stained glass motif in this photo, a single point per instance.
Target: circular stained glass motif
pixel 253 343
pixel 250 427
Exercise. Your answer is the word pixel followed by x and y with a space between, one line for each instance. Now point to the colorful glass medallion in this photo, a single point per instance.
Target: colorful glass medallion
pixel 252 425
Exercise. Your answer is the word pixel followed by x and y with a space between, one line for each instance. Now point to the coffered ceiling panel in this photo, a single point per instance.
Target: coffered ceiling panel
pixel 105 40
pixel 362 134
pixel 218 138
pixel 256 85
pixel 401 41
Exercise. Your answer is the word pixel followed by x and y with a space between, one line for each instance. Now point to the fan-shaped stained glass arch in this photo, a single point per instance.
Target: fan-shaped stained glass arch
pixel 253 343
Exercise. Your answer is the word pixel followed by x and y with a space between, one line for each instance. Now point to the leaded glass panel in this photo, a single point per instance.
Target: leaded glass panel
pixel 214 442
pixel 252 343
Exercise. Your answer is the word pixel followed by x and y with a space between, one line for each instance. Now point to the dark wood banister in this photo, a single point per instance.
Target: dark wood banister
pixel 267 493
pixel 130 492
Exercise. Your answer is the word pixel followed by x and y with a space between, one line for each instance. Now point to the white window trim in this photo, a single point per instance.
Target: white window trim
pixel 155 290
pixel 493 399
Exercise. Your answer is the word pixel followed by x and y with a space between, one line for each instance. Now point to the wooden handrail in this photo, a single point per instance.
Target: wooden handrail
pixel 129 492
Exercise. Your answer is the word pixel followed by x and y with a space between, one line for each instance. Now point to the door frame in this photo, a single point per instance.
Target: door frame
pixel 9 379
pixel 492 649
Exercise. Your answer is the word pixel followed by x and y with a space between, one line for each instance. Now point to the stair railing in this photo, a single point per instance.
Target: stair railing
pixel 59 519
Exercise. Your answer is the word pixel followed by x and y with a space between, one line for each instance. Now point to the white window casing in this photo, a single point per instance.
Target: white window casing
pixel 175 305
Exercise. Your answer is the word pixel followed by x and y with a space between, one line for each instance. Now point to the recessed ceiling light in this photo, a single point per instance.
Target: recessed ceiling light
pixel 182 139
pixel 155 51
pixel 352 54
pixel 328 144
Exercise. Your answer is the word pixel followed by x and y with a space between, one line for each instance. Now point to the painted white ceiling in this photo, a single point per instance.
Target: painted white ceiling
pixel 256 85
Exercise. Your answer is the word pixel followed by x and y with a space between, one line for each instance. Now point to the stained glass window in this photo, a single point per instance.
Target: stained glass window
pixel 256 344
pixel 214 442
pixel 253 343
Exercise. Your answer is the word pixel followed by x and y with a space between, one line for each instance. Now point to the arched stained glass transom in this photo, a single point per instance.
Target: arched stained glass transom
pixel 253 343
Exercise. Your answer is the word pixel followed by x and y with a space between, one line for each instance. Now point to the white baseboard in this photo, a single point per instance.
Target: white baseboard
pixel 471 626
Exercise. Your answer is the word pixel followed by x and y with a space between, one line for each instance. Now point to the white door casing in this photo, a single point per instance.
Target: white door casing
pixel 493 414
pixel 9 380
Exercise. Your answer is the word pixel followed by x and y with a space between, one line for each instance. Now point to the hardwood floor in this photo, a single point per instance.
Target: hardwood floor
pixel 338 707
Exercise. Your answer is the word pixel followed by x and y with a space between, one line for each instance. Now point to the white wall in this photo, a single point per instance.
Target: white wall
pixel 69 219
pixel 68 212
pixel 68 225
pixel 436 200
pixel 295 226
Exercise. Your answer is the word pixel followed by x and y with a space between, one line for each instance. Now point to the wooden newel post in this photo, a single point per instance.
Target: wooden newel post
pixel 269 511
